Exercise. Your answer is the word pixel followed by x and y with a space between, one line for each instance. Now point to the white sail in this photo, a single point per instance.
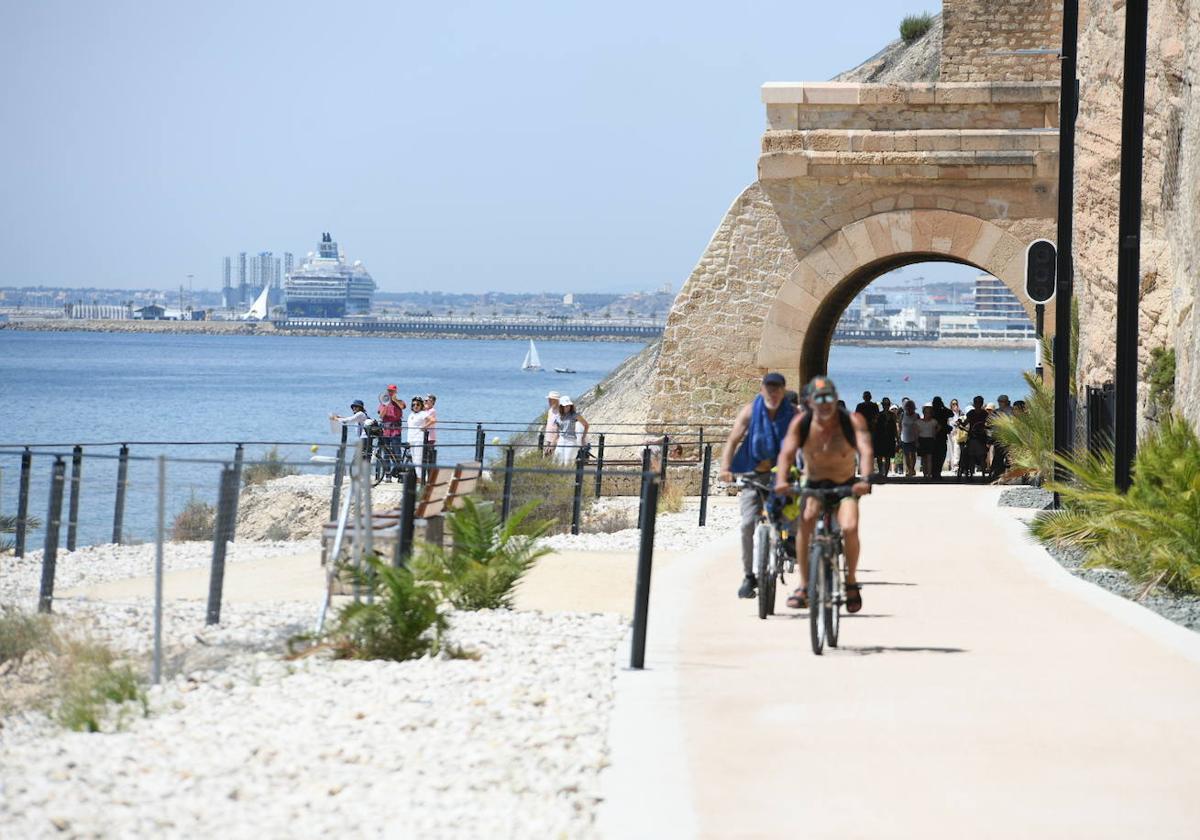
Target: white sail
pixel 258 311
pixel 532 362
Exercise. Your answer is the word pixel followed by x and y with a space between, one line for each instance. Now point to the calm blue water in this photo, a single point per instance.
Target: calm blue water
pixel 85 387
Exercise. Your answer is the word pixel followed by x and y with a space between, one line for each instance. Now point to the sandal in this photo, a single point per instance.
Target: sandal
pixel 798 600
pixel 853 597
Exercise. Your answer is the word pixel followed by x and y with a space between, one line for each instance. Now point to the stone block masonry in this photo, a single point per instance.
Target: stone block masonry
pixel 978 37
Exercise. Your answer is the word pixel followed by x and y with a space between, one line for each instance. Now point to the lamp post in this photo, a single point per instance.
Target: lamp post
pixel 1133 118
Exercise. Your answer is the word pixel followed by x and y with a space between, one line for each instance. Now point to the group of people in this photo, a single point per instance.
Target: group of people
pixel 938 437
pixel 565 433
pixel 392 428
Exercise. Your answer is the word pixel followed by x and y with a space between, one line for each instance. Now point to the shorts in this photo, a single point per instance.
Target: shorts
pixel 908 448
pixel 925 446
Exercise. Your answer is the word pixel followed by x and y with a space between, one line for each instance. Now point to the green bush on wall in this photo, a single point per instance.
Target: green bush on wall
pixel 915 26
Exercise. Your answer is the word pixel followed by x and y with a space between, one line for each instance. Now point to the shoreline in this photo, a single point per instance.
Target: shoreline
pixel 268 329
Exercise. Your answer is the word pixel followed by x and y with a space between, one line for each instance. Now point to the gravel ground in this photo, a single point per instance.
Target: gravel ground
pixel 20 577
pixel 672 531
pixel 1026 497
pixel 509 745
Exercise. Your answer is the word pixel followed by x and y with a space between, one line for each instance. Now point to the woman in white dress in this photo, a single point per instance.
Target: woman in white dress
pixel 572 432
pixel 417 418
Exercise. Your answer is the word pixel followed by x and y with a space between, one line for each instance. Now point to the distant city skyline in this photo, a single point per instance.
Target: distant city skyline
pixel 466 147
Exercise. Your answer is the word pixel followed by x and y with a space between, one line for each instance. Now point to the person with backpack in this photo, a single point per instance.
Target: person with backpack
pixel 831 440
pixel 753 447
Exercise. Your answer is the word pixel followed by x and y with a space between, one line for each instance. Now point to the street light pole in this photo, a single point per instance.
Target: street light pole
pixel 1068 100
pixel 1133 118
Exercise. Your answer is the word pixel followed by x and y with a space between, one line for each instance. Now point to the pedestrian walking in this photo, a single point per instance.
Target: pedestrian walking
pixel 883 437
pixel 550 438
pixel 571 430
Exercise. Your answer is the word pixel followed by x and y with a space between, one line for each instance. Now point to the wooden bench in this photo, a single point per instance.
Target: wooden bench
pixel 444 490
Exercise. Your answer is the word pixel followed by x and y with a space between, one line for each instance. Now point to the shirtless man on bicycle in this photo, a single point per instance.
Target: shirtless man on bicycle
pixel 829 437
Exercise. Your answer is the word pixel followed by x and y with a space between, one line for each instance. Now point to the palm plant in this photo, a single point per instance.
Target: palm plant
pixel 402 621
pixel 487 557
pixel 1029 437
pixel 1153 531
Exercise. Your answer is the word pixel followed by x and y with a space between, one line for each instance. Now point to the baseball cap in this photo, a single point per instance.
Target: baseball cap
pixel 821 385
pixel 391 388
pixel 357 404
pixel 565 401
pixel 774 379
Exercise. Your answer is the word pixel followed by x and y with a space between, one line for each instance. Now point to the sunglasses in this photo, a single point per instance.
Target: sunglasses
pixel 822 399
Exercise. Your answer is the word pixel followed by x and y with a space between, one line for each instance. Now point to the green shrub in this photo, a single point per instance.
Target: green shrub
pixel 195 522
pixel 1153 531
pixel 553 491
pixel 21 633
pixel 90 680
pixel 1029 437
pixel 402 622
pixel 272 466
pixel 1160 374
pixel 487 558
pixel 915 26
pixel 670 498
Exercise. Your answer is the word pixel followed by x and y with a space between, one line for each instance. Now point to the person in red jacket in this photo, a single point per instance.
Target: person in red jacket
pixel 391 417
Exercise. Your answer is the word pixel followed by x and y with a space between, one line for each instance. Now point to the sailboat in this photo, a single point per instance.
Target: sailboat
pixel 532 362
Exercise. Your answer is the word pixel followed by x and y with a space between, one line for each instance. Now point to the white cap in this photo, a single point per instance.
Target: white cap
pixel 553 395
pixel 565 401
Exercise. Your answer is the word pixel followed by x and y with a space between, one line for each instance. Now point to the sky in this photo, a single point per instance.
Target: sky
pixel 460 146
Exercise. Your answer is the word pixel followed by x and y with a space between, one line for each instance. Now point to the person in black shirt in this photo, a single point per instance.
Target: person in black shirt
pixel 883 437
pixel 942 415
pixel 868 409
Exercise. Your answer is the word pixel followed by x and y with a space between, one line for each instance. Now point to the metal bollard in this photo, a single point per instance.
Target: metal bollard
pixel 704 480
pixel 239 455
pixel 119 507
pixel 53 520
pixel 662 465
pixel 159 532
pixel 641 598
pixel 642 490
pixel 23 502
pixel 700 444
pixel 599 464
pixel 408 513
pixel 338 474
pixel 73 510
pixel 216 580
pixel 542 442
pixel 506 501
pixel 577 503
pixel 479 442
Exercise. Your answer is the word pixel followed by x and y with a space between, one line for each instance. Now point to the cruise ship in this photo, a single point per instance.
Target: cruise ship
pixel 325 286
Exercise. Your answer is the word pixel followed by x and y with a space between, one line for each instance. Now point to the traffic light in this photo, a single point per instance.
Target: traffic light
pixel 1041 262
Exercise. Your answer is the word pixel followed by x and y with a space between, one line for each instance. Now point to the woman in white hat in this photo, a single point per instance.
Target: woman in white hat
pixel 568 423
pixel 550 438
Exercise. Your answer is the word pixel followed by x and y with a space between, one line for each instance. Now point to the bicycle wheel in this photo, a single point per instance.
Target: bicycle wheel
pixel 816 597
pixel 762 567
pixel 378 465
pixel 834 607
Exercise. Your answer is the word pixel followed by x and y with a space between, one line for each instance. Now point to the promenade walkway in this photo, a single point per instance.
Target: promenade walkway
pixel 982 692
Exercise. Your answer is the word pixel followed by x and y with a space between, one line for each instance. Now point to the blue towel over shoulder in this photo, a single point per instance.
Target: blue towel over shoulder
pixel 764 437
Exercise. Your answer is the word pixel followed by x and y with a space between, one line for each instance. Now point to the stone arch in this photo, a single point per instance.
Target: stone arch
pixel 799 325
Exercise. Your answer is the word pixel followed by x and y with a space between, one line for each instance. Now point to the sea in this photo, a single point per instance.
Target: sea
pixel 154 390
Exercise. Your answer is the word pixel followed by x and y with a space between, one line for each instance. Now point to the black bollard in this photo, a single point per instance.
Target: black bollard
pixel 53 520
pixel 216 579
pixel 73 511
pixel 408 513
pixel 479 442
pixel 700 445
pixel 577 503
pixel 239 456
pixel 662 465
pixel 119 507
pixel 338 472
pixel 641 598
pixel 642 489
pixel 23 502
pixel 599 464
pixel 506 501
pixel 704 480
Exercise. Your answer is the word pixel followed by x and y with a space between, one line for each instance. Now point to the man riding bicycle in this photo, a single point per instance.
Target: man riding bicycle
pixel 752 447
pixel 829 438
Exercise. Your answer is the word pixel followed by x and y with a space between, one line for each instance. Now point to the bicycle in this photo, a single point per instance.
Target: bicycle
pixel 390 459
pixel 771 557
pixel 826 565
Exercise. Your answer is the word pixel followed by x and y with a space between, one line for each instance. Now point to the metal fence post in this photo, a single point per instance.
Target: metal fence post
pixel 642 489
pixel 577 502
pixel 53 520
pixel 641 598
pixel 23 502
pixel 338 474
pixel 479 442
pixel 216 580
pixel 700 445
pixel 666 450
pixel 599 464
pixel 542 442
pixel 506 501
pixel 408 513
pixel 119 506
pixel 73 510
pixel 159 534
pixel 239 455
pixel 704 480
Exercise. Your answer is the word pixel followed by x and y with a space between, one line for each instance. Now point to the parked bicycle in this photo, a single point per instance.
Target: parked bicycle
pixel 826 565
pixel 389 457
pixel 774 548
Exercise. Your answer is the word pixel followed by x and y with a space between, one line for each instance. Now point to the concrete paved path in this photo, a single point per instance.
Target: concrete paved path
pixel 982 692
